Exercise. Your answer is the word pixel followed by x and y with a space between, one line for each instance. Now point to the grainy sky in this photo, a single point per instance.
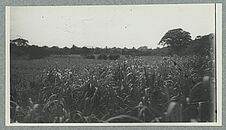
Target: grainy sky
pixel 112 26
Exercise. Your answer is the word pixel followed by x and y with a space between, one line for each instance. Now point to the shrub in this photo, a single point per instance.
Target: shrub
pixel 102 57
pixel 113 57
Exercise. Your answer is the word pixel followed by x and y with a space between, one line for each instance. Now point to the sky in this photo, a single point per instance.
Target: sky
pixel 108 25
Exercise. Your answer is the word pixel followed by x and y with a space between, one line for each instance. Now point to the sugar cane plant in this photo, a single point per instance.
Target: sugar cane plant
pixel 125 90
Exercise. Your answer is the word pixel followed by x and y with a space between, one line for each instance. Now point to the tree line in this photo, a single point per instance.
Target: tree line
pixel 174 42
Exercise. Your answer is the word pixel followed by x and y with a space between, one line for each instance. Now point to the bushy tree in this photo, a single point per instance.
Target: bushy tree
pixel 176 39
pixel 202 45
pixel 19 42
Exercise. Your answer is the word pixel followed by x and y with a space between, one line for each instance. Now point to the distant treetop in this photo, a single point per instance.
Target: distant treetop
pixel 19 42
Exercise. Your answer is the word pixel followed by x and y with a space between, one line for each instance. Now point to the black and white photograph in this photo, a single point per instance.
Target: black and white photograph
pixel 101 65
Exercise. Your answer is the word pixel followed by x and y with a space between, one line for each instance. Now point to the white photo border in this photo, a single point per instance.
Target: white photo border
pixel 218 34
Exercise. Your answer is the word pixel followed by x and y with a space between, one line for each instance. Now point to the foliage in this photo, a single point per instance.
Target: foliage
pixel 177 39
pixel 102 57
pixel 202 45
pixel 148 89
pixel 113 57
pixel 20 47
pixel 20 42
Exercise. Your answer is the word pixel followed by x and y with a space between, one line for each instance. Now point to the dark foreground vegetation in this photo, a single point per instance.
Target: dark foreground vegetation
pixel 169 84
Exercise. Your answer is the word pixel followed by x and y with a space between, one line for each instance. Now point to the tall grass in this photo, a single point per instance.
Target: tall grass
pixel 170 89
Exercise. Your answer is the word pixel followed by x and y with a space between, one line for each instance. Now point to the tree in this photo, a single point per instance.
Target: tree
pixel 85 50
pixel 75 50
pixel 19 42
pixel 176 39
pixel 202 45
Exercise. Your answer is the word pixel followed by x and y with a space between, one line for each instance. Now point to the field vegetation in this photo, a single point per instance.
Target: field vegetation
pixel 144 89
pixel 106 86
